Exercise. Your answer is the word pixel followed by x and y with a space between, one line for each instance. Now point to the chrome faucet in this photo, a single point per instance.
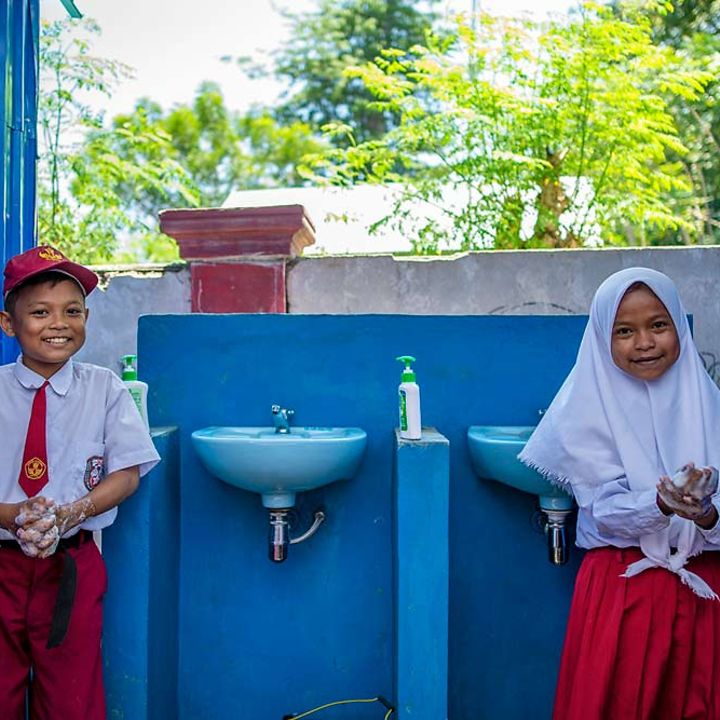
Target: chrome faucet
pixel 281 418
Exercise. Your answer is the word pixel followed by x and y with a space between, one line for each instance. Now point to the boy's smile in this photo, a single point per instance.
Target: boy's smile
pixel 644 340
pixel 48 321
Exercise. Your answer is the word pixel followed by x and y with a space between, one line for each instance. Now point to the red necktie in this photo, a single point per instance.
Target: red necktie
pixel 34 469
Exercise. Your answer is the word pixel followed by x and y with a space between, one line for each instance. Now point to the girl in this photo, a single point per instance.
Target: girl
pixel 643 636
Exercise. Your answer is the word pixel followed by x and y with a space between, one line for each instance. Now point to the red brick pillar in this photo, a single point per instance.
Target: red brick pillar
pixel 238 256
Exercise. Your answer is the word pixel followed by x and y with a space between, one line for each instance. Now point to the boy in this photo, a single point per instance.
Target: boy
pixel 73 448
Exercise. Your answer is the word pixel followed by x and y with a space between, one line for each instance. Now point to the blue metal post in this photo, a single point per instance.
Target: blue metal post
pixel 19 55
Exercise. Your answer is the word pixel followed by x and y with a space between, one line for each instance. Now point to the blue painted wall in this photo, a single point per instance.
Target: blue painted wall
pixel 258 640
pixel 19 27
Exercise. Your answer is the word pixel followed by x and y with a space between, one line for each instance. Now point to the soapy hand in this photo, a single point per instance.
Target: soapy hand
pixel 37 531
pixel 41 523
pixel 72 514
pixel 688 493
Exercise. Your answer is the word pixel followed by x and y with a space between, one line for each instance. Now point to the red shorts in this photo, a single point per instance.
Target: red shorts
pixel 640 648
pixel 67 680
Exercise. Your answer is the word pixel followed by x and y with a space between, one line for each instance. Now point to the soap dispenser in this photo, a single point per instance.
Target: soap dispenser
pixel 409 399
pixel 137 388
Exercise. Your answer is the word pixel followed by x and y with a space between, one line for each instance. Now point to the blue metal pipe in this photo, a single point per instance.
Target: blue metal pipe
pixel 19 57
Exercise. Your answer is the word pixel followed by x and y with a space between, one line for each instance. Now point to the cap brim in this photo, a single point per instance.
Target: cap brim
pixel 86 279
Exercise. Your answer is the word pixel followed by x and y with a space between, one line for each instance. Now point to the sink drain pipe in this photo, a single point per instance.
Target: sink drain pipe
pixel 280 532
pixel 556 535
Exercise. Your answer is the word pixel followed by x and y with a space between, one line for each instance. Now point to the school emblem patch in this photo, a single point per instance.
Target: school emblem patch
pixel 94 471
pixel 35 468
pixel 48 253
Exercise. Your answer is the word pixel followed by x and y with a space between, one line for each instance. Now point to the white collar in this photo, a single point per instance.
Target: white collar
pixel 60 382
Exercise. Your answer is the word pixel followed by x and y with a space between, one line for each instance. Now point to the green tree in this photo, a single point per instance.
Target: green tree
pixel 219 150
pixel 79 210
pixel 513 134
pixel 338 34
pixel 692 27
pixel 276 150
pixel 685 18
pixel 100 183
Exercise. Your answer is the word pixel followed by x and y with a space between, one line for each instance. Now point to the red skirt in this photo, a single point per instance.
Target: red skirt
pixel 640 648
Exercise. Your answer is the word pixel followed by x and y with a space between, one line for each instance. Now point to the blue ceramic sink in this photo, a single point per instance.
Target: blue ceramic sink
pixel 494 450
pixel 279 465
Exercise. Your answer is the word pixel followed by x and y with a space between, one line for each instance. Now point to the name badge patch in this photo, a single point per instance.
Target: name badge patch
pixel 94 471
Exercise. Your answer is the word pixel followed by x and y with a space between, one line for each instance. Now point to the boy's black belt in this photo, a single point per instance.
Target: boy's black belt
pixel 68 583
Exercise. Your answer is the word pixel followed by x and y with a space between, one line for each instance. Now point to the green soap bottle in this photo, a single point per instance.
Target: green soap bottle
pixel 137 388
pixel 409 401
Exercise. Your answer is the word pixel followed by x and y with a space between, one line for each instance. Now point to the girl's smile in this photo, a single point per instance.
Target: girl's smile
pixel 644 340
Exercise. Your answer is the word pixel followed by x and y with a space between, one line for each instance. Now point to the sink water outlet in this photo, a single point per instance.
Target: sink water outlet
pixel 493 453
pixel 280 532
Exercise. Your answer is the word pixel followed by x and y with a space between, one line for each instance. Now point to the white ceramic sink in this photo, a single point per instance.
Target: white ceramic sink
pixel 494 450
pixel 279 465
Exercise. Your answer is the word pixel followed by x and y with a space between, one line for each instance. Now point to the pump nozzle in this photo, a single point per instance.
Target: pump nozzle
pixel 408 375
pixel 129 370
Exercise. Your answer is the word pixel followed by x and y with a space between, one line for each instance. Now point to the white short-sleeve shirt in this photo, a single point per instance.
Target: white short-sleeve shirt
pixel 93 429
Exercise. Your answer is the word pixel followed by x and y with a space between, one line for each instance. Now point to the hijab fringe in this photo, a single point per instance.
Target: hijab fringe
pixel 687 577
pixel 560 481
pixel 697 585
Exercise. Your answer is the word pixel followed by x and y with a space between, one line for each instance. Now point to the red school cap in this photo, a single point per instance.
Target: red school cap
pixel 44 259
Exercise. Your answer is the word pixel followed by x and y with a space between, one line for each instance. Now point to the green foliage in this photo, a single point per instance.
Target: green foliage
pixel 219 150
pixel 99 184
pixel 79 170
pixel 205 140
pixel 693 29
pixel 513 134
pixel 686 18
pixel 338 34
pixel 276 150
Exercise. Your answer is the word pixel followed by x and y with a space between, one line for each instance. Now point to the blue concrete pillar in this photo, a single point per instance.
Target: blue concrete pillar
pixel 141 550
pixel 421 535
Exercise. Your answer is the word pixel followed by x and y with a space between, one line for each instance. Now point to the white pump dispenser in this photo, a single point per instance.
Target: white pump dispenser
pixel 409 399
pixel 137 388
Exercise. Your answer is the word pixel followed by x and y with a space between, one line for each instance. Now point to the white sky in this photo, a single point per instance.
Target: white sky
pixel 174 45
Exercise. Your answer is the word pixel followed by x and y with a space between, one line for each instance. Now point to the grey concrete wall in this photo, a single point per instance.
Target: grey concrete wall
pixel 502 282
pixel 122 296
pixel 493 282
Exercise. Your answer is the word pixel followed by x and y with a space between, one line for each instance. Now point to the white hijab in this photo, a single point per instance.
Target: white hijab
pixel 605 424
